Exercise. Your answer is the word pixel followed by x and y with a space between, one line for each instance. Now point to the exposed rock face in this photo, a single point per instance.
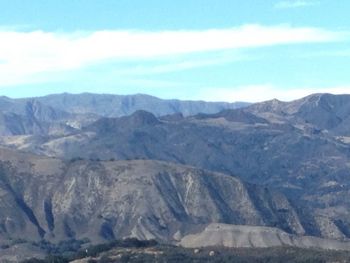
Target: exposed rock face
pixel 51 199
pixel 321 111
pixel 255 237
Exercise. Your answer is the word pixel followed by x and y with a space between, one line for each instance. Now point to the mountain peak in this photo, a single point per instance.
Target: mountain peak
pixel 142 117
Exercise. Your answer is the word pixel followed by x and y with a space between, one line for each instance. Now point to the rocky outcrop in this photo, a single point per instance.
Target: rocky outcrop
pixel 50 199
pixel 238 236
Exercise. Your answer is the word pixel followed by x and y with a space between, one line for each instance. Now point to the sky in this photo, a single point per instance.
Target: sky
pixel 222 50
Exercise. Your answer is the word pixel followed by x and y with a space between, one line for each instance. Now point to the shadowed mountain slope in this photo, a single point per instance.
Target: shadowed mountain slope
pixel 56 200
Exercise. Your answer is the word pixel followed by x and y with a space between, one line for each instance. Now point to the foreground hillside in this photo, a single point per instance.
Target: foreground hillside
pixel 141 251
pixel 56 200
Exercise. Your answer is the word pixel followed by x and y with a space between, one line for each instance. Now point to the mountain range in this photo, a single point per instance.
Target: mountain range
pixel 105 167
pixel 60 113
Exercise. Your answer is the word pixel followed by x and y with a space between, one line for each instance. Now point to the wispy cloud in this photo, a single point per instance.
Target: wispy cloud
pixel 263 92
pixel 295 4
pixel 184 62
pixel 340 53
pixel 26 56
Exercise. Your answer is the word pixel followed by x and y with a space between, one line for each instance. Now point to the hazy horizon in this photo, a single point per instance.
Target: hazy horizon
pixel 144 94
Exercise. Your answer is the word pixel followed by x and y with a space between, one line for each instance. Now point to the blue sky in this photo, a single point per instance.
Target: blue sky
pixel 223 50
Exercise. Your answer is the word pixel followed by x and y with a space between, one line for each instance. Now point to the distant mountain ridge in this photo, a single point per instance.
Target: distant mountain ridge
pixel 108 105
pixel 61 113
pixel 323 111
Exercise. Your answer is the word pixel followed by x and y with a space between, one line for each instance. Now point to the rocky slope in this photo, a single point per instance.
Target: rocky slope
pixel 323 112
pixel 223 235
pixel 56 200
pixel 32 117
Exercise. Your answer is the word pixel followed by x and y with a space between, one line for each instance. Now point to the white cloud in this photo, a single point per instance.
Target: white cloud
pixel 295 4
pixel 181 64
pixel 258 93
pixel 26 56
pixel 341 53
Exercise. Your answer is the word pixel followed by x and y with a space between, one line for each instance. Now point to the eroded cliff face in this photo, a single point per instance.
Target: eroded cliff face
pixel 55 200
pixel 238 236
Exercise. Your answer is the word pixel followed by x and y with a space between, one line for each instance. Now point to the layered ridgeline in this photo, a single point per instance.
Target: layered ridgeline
pixel 293 158
pixel 62 113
